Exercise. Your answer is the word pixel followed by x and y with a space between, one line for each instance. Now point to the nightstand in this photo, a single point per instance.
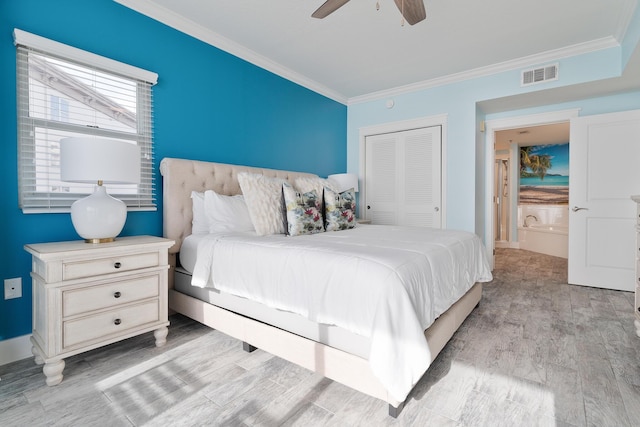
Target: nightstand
pixel 88 295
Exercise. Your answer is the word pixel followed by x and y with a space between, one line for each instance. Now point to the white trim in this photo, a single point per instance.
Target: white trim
pixel 212 38
pixel 491 126
pixel 23 38
pixel 15 349
pixel 399 126
pixel 526 61
pixel 626 14
pixel 509 245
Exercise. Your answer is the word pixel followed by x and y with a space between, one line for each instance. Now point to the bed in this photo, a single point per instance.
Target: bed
pixel 344 351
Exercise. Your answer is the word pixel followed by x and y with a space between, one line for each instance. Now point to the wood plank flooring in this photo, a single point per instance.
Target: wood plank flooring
pixel 537 352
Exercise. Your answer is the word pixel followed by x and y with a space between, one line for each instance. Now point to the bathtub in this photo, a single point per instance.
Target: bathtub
pixel 544 229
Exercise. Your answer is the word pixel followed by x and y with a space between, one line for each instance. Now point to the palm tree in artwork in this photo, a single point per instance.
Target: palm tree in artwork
pixel 537 163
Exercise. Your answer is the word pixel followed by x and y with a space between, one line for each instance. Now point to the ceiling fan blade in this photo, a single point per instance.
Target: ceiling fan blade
pixel 412 10
pixel 328 7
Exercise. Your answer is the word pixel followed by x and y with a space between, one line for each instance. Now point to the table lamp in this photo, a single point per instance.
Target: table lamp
pixel 99 218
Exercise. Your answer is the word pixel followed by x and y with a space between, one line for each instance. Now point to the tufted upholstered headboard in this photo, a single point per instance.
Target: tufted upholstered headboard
pixel 180 177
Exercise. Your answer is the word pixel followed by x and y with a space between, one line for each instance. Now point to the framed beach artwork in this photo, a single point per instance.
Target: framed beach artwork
pixel 544 174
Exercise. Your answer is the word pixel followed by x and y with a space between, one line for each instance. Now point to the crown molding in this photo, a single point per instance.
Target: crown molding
pixel 212 38
pixel 526 61
pixel 626 14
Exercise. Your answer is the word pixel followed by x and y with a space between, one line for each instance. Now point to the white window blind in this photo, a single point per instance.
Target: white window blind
pixel 63 92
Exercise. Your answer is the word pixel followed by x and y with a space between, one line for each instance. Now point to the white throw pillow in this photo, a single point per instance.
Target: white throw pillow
pixel 200 223
pixel 306 184
pixel 226 213
pixel 264 200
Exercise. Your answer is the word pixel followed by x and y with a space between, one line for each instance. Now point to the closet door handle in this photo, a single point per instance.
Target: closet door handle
pixel 576 209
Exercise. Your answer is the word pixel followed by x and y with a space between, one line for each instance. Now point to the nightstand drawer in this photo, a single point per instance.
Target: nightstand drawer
pixel 81 300
pixel 113 322
pixel 115 264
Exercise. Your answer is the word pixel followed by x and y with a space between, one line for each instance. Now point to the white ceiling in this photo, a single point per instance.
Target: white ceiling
pixel 557 133
pixel 358 53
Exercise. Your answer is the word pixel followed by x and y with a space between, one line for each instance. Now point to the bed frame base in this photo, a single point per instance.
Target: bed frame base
pixel 395 411
pixel 248 347
pixel 348 369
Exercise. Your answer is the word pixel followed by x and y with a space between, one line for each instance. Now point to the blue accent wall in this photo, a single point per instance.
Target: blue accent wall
pixel 208 105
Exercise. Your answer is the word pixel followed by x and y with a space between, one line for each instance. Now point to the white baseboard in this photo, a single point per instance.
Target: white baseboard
pixel 505 244
pixel 15 349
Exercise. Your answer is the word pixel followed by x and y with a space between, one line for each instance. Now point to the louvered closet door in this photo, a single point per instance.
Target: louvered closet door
pixel 403 178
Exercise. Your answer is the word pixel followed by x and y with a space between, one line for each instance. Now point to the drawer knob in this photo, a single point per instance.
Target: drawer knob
pixel 116 295
pixel 117 322
pixel 117 265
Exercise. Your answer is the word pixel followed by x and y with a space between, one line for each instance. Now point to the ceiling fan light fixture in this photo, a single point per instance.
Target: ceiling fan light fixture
pixel 413 13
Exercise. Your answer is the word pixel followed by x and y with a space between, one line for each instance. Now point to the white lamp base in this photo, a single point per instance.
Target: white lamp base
pixel 99 217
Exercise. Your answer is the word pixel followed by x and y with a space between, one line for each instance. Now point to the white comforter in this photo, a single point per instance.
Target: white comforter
pixel 384 282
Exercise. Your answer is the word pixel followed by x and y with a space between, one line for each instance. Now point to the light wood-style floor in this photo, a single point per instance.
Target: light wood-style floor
pixel 536 352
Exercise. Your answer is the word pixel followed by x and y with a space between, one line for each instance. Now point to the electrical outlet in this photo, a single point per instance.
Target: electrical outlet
pixel 13 288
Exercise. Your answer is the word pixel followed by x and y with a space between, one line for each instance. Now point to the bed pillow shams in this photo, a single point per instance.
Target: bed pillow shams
pixel 226 213
pixel 303 211
pixel 264 201
pixel 339 209
pixel 200 223
pixel 306 184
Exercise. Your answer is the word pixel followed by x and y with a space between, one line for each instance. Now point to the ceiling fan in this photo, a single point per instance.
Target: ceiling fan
pixel 412 10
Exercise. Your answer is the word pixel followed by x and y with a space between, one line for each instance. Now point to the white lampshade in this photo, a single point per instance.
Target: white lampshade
pixel 345 181
pixel 99 217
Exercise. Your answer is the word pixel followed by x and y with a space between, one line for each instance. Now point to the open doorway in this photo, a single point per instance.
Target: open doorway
pixel 503 139
pixel 532 188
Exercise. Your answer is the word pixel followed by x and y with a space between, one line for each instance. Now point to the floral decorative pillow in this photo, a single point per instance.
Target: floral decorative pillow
pixel 264 201
pixel 339 209
pixel 304 211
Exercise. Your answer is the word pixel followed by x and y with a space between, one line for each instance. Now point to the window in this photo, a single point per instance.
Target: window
pixel 64 91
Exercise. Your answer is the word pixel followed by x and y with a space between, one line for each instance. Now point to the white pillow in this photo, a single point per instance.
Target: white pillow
pixel 200 223
pixel 264 200
pixel 306 184
pixel 226 213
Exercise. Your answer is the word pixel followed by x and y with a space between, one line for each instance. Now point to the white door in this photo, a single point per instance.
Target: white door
pixel 604 153
pixel 403 177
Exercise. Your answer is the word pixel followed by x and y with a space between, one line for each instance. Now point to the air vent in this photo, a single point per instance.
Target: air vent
pixel 539 75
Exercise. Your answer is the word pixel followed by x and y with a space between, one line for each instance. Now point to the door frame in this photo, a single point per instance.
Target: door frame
pixel 400 126
pixel 491 127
